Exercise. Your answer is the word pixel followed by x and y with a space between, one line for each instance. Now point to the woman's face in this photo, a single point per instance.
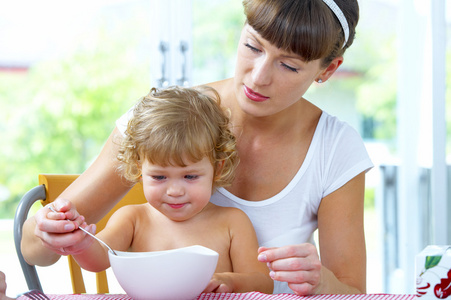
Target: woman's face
pixel 268 79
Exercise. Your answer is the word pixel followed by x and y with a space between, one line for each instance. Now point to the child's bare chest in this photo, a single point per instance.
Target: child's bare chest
pixel 157 236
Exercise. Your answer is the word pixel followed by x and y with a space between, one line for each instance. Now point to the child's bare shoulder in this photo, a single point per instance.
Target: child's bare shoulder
pixel 227 212
pixel 131 209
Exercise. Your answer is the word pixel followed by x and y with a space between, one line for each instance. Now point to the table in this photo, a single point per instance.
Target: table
pixel 242 296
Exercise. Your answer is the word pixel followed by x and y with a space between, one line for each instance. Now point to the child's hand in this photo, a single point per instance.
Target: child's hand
pixel 219 283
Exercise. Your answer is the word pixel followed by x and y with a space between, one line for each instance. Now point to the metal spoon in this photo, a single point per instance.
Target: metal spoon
pixel 82 229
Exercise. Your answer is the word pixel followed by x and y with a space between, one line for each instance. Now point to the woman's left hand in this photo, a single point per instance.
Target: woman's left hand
pixel 299 265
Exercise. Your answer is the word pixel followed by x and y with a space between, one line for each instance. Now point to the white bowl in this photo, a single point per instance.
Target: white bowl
pixel 164 275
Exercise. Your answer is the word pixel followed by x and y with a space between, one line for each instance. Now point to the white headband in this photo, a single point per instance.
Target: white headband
pixel 341 17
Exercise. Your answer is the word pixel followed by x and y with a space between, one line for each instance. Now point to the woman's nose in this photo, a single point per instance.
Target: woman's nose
pixel 262 72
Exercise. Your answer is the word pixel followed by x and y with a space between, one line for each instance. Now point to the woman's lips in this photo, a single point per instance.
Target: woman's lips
pixel 254 96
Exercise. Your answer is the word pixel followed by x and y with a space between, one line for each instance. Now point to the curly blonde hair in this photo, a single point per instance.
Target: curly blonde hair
pixel 176 124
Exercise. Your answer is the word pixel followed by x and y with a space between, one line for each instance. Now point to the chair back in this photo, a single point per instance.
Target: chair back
pixel 50 187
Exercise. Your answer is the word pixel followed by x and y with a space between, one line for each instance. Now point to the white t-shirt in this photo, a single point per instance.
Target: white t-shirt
pixel 335 156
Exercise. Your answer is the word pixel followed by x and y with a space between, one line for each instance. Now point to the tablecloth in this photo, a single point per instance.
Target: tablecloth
pixel 241 296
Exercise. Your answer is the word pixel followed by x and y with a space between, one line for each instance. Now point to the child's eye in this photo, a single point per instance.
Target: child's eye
pixel 289 68
pixel 253 49
pixel 191 177
pixel 158 177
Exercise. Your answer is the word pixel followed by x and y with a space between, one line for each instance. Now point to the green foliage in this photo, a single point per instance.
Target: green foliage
pixel 365 82
pixel 58 116
pixel 370 196
pixel 376 95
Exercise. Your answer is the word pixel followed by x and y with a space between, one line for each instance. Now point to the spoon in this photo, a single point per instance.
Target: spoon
pixel 82 229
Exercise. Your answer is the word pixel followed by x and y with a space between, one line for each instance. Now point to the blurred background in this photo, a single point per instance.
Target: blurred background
pixel 69 69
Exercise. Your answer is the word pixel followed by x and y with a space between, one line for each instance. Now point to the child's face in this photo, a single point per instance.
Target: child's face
pixel 179 193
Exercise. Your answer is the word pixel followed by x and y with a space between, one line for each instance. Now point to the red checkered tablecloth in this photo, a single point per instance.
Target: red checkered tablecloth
pixel 242 296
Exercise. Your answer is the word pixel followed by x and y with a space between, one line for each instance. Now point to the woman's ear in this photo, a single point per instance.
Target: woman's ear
pixel 330 69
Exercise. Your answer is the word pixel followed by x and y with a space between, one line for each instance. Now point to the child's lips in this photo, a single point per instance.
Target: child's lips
pixel 176 205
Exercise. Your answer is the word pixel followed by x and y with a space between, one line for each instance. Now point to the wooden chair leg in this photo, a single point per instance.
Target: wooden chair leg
pixel 102 283
pixel 78 285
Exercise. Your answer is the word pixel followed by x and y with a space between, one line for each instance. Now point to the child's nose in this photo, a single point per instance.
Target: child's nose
pixel 175 189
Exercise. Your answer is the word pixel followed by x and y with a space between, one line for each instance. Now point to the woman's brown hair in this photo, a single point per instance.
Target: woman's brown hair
pixel 307 28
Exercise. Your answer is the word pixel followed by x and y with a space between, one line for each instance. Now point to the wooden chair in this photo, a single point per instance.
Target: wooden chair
pixel 49 188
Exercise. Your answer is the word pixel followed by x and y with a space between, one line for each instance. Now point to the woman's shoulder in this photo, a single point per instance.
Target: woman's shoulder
pixel 340 141
pixel 332 121
pixel 336 138
pixel 332 126
pixel 221 85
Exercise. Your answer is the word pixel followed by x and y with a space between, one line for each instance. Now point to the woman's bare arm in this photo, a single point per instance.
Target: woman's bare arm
pixel 342 239
pixel 92 195
pixel 342 268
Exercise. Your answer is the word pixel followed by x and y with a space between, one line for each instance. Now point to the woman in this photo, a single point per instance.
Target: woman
pixel 300 168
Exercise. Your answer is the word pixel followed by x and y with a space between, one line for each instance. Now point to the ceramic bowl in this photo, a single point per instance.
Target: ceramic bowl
pixel 164 275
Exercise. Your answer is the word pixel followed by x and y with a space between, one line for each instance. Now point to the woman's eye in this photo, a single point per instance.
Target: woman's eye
pixel 253 49
pixel 158 177
pixel 289 68
pixel 191 177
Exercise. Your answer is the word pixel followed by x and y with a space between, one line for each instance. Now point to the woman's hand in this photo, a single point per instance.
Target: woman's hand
pixel 299 265
pixel 58 230
pixel 3 287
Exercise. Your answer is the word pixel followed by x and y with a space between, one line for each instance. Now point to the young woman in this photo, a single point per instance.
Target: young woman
pixel 300 168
